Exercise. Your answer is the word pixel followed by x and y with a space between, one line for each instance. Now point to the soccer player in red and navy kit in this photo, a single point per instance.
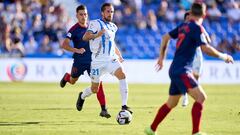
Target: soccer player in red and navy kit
pixel 190 36
pixel 81 56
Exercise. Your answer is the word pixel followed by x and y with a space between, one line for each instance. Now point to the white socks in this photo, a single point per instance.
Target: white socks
pixel 185 100
pixel 86 93
pixel 123 86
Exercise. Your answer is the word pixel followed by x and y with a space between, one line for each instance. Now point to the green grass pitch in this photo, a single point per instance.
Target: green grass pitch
pixel 47 109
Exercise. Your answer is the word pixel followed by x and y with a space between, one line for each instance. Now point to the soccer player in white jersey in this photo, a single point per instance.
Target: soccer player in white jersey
pixel 197 61
pixel 106 57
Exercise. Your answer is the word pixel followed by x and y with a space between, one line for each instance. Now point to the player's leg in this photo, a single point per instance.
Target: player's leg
pixel 164 110
pixel 123 86
pixel 197 71
pixel 162 113
pixel 185 100
pixel 101 97
pixel 196 75
pixel 174 96
pixel 102 101
pixel 67 78
pixel 95 75
pixel 73 77
pixel 199 96
pixel 86 93
pixel 189 83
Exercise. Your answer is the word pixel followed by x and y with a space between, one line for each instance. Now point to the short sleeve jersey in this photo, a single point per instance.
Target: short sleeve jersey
pixel 190 36
pixel 75 34
pixel 103 48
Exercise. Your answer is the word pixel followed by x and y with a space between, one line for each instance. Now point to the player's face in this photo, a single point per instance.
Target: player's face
pixel 82 16
pixel 108 13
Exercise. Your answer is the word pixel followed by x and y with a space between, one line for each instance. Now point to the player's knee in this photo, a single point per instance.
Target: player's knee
pixel 72 81
pixel 121 75
pixel 94 89
pixel 196 76
pixel 202 98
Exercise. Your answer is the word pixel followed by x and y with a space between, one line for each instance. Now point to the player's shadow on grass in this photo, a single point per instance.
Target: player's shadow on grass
pixel 18 123
pixel 105 124
pixel 52 123
pixel 52 109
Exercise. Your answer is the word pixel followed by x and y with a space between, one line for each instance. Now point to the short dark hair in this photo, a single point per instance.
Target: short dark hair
pixel 186 14
pixel 198 9
pixel 81 7
pixel 105 5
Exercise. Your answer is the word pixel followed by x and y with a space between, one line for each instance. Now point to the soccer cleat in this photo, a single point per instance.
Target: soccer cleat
pixel 63 82
pixel 149 131
pixel 200 133
pixel 125 107
pixel 104 113
pixel 80 102
pixel 185 100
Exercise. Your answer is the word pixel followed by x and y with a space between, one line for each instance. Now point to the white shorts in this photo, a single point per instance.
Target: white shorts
pixel 100 68
pixel 198 62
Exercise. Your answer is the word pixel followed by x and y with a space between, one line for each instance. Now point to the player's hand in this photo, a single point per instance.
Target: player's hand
pixel 229 59
pixel 159 64
pixel 100 33
pixel 80 51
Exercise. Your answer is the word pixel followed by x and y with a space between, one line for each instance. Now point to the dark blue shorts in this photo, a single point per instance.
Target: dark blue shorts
pixel 181 83
pixel 79 68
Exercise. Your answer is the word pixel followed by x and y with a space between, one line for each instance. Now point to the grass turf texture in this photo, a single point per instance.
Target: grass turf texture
pixel 47 109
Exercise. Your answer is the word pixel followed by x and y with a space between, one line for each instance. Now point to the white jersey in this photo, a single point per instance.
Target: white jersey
pixel 103 48
pixel 197 62
pixel 198 58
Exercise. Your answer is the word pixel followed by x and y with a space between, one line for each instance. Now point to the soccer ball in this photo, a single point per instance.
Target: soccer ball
pixel 124 117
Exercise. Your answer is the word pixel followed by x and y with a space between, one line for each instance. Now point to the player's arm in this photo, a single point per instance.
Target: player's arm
pixel 163 51
pixel 164 45
pixel 89 35
pixel 66 46
pixel 94 31
pixel 209 50
pixel 117 51
pixel 201 40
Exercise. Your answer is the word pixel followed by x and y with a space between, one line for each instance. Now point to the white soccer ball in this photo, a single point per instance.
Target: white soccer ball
pixel 124 117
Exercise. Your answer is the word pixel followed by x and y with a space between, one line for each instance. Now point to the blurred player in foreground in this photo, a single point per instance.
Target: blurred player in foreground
pixel 81 56
pixel 106 57
pixel 190 36
pixel 197 61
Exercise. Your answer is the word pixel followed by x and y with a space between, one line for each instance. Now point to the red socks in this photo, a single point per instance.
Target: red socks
pixel 67 77
pixel 162 113
pixel 196 116
pixel 101 95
